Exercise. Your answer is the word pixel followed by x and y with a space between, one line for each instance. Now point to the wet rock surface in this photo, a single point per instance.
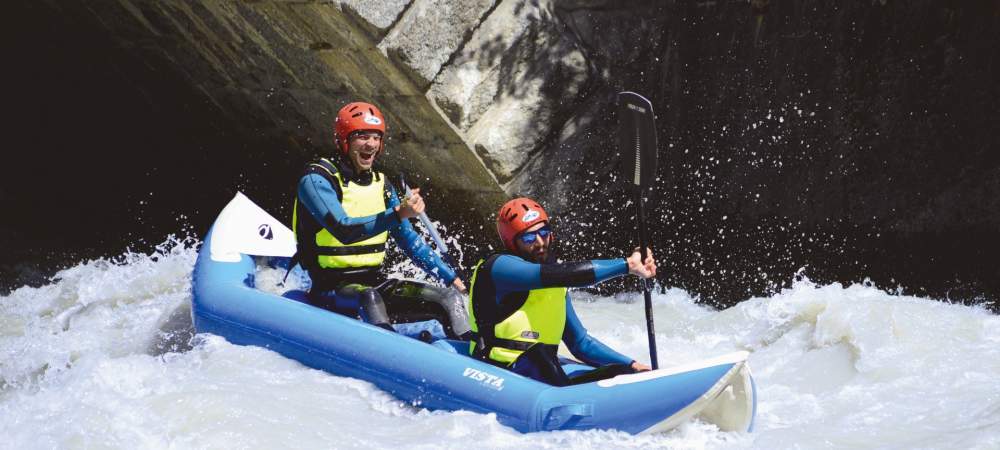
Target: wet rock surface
pixel 512 85
pixel 842 142
pixel 137 119
pixel 849 141
pixel 430 32
pixel 380 15
pixel 846 143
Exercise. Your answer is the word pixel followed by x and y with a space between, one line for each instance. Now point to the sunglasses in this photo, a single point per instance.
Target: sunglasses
pixel 529 237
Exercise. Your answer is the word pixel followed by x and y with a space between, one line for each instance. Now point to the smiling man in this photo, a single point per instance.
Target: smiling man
pixel 519 305
pixel 349 211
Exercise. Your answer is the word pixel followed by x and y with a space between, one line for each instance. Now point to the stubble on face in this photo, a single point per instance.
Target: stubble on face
pixel 538 251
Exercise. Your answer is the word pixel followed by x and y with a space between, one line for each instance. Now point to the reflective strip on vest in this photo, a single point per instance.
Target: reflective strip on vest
pixel 358 201
pixel 540 319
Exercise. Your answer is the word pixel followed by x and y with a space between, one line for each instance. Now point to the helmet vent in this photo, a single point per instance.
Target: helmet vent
pixel 357 114
pixel 353 108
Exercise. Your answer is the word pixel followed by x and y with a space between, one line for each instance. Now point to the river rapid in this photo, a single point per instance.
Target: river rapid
pixel 104 356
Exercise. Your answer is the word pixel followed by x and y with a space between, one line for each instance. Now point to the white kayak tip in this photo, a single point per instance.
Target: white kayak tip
pixel 245 228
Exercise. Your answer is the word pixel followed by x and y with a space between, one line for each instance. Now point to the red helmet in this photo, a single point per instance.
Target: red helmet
pixel 357 116
pixel 516 216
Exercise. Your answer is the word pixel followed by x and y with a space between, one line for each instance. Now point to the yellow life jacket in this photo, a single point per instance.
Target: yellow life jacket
pixel 358 201
pixel 523 319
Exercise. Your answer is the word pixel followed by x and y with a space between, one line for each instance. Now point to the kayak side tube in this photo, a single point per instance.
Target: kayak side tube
pixel 716 390
pixel 226 303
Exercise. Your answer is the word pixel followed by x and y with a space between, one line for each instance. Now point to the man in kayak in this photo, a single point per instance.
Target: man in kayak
pixel 343 214
pixel 519 306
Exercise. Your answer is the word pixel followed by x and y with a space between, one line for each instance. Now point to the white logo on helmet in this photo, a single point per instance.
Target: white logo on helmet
pixel 372 120
pixel 530 215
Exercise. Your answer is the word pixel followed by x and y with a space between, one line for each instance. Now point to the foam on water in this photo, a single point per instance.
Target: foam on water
pixel 103 357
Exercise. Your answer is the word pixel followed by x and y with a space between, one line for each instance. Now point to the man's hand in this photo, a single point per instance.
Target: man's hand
pixel 645 269
pixel 640 367
pixel 459 285
pixel 412 206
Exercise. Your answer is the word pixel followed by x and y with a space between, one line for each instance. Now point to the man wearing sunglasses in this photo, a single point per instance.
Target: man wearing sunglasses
pixel 344 212
pixel 519 306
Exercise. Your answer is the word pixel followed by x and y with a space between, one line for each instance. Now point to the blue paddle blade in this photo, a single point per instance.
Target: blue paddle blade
pixel 637 139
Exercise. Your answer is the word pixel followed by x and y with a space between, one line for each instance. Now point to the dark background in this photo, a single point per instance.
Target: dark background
pixel 108 147
pixel 843 141
pixel 853 140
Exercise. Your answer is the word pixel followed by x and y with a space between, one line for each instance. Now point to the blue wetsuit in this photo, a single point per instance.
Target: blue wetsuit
pixel 352 291
pixel 317 195
pixel 508 274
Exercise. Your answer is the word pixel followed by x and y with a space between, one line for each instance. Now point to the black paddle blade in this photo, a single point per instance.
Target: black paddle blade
pixel 637 139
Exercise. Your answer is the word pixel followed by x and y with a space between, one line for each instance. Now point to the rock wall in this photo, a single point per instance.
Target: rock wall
pixel 139 118
pixel 853 141
pixel 849 140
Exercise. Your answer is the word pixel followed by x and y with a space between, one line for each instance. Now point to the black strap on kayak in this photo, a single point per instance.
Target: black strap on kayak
pixel 329 279
pixel 291 264
pixel 493 341
pixel 601 373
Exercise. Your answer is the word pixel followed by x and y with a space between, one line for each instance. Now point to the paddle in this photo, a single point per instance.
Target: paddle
pixel 637 144
pixel 442 248
pixel 435 236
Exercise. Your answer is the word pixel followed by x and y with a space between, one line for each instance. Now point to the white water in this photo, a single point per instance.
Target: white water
pixel 102 358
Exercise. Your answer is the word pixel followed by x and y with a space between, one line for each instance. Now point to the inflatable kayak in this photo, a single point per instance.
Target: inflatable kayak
pixel 439 375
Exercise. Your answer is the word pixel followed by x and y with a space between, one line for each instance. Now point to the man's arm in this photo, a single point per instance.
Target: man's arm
pixel 586 347
pixel 511 273
pixel 414 246
pixel 319 198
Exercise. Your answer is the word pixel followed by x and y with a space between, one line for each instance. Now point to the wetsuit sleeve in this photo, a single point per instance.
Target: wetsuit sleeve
pixel 318 197
pixel 586 347
pixel 511 273
pixel 414 246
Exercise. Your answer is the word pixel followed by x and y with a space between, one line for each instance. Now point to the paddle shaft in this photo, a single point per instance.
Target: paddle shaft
pixel 442 248
pixel 650 332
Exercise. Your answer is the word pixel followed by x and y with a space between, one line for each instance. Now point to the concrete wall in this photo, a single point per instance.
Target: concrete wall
pixel 855 140
pixel 134 118
pixel 850 139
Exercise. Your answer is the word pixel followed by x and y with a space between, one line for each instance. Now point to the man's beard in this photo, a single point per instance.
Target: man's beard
pixel 549 255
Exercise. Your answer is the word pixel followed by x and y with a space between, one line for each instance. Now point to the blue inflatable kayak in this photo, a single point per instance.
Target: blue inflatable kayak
pixel 440 376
